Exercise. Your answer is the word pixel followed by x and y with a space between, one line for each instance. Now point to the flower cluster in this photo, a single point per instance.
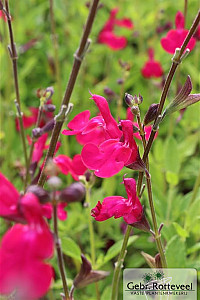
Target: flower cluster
pixel 107 35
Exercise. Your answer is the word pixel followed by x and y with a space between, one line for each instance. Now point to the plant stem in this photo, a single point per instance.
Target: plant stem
pixel 39 116
pixel 91 233
pixel 78 57
pixel 155 227
pixel 195 189
pixel 185 9
pixel 59 251
pixel 119 263
pixel 55 48
pixel 14 57
pixel 167 86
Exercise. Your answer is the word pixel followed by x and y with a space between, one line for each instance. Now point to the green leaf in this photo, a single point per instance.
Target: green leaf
pixel 172 178
pixel 176 253
pixel 172 159
pixel 115 249
pixel 181 231
pixel 70 248
pixel 194 248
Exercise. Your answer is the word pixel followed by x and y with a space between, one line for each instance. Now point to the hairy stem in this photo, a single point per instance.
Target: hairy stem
pixel 14 57
pixel 59 251
pixel 78 57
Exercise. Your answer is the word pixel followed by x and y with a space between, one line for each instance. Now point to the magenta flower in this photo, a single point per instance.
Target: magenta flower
pixel 73 166
pixel 152 68
pixel 86 130
pixel 107 35
pixel 116 206
pixel 175 37
pixel 31 119
pixel 23 251
pixel 113 154
pixel 47 211
pixel 9 200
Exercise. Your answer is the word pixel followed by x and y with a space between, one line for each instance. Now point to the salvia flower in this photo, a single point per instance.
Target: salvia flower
pixel 107 35
pixel 73 166
pixel 113 154
pixel 175 37
pixel 24 248
pixel 152 68
pixel 183 99
pixel 116 206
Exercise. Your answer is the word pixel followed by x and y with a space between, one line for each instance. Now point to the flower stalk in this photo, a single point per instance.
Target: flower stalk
pixel 78 57
pixel 59 249
pixel 13 54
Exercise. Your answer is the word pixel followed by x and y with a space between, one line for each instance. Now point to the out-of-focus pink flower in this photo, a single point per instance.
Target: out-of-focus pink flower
pixel 9 200
pixel 152 68
pixel 23 251
pixel 31 119
pixel 147 129
pixel 113 154
pixel 175 37
pixel 3 16
pixel 116 206
pixel 73 166
pixel 107 35
pixel 39 147
pixel 197 34
pixel 47 210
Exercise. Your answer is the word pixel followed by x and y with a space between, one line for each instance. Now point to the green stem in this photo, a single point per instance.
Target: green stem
pixel 59 251
pixel 155 227
pixel 195 189
pixel 91 234
pixel 119 263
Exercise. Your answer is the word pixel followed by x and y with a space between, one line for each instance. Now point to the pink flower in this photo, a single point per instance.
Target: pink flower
pixel 107 35
pixel 86 130
pixel 113 154
pixel 39 147
pixel 30 120
pixel 9 200
pixel 147 129
pixel 97 129
pixel 152 68
pixel 116 206
pixel 23 251
pixel 73 166
pixel 3 16
pixel 47 211
pixel 175 37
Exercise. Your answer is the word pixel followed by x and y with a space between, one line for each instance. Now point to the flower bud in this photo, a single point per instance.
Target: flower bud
pixel 51 168
pixel 73 193
pixel 151 114
pixel 49 107
pixel 54 182
pixel 129 99
pixel 49 92
pixel 37 132
pixel 135 110
pixel 108 91
pixel 120 81
pixel 149 259
pixel 39 192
